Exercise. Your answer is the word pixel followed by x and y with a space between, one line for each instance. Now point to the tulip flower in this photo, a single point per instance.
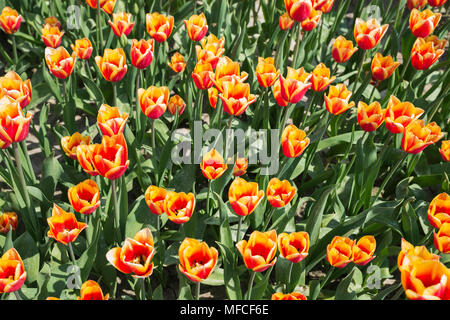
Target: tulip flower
pixel 324 5
pixel 227 70
pixel 153 101
pixel 135 256
pixel 90 290
pixel 197 260
pixel 177 62
pixel 445 150
pixel 236 97
pixel 439 210
pixel 84 197
pixel 342 49
pixel 417 136
pixel 12 271
pixel 53 21
pixel 106 5
pixel 280 193
pixel 176 104
pixel 196 27
pixel 266 72
pixel 8 220
pixel 423 23
pixel 213 165
pixel 288 296
pixel 179 207
pixel 436 3
pixel 201 75
pixel 426 51
pixel 14 124
pixel 259 252
pixel 295 246
pixel 363 250
pixel 12 86
pixel 142 53
pixel 312 21
pixel 113 64
pixel 368 34
pixel 276 90
pixel 110 120
pixel 59 62
pixel 442 238
pixel 383 67
pixel 211 49
pixel 213 95
pixel 64 226
pixel 400 114
pixel 110 158
pixel 84 154
pixel 320 78
pixel 293 141
pixel 337 100
pixel 69 144
pixel 51 35
pixel 298 10
pixel 340 251
pixel 159 26
pixel 410 254
pixel 295 85
pixel 10 20
pixel 418 4
pixel 370 117
pixel 121 24
pixel 240 168
pixel 92 3
pixel 83 48
pixel 285 22
pixel 154 197
pixel 244 196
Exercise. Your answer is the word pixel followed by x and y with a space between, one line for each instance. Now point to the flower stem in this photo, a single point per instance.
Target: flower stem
pixel 114 85
pixel 99 31
pixel 142 280
pixel 268 219
pixel 250 285
pixel 359 71
pixel 21 176
pixel 153 138
pixel 16 293
pixel 238 234
pixel 297 44
pixel 16 59
pixel 72 256
pixel 197 291
pixel 116 210
pixel 207 197
pixel 289 276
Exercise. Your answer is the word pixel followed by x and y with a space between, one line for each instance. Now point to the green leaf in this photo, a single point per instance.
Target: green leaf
pixel 315 219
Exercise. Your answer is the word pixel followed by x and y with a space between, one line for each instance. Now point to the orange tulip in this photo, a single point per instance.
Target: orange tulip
pixel 423 23
pixel 418 4
pixel 363 250
pixel 383 67
pixel 342 49
pixel 154 197
pixel 70 143
pixel 295 85
pixel 14 124
pixel 197 260
pixel 312 21
pixel 410 254
pixel 211 49
pixel 8 220
pixel 106 5
pixel 121 24
pixel 113 64
pixel 445 150
pixel 320 78
pixel 417 136
pixel 51 35
pixel 240 168
pixel 436 3
pixel 176 104
pixel 135 256
pixel 83 48
pixel 179 207
pixel 294 141
pixel 201 75
pixel 370 117
pixel 299 10
pixel 439 210
pixel 340 251
pixel 285 22
pixel 12 271
pixel 10 20
pixel 90 290
pixel 213 95
pixel 59 62
pixel 53 21
pixel 142 53
pixel 324 5
pixel 259 252
pixel 295 246
pixel 64 226
pixel 227 70
pixel 110 120
pixel 337 100
pixel 196 27
pixel 84 197
pixel 426 52
pixel 400 114
pixel 442 238
pixel 280 193
pixel 84 154
pixel 236 97
pixel 276 90
pixel 266 72
pixel 12 86
pixel 244 196
pixel 368 34
pixel 213 165
pixel 110 158
pixel 153 101
pixel 288 296
pixel 159 26
pixel 92 3
pixel 177 62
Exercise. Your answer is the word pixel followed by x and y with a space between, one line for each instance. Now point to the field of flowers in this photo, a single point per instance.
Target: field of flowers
pixel 224 149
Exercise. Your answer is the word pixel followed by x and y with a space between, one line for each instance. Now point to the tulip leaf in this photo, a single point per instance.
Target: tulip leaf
pixel 315 219
pixel 29 253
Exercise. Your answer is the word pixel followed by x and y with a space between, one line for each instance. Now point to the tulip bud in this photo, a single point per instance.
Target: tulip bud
pixel 59 62
pixel 370 117
pixel 10 20
pixel 113 64
pixel 294 141
pixel 154 197
pixel 142 53
pixel 213 165
pixel 159 26
pixel 83 48
pixel 368 34
pixel 196 27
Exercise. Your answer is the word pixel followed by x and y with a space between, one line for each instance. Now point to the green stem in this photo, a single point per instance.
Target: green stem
pixel 207 197
pixel 116 211
pixel 153 138
pixel 16 293
pixel 136 116
pixel 225 153
pixel 405 67
pixel 297 45
pixel 289 276
pixel 142 280
pixel 200 106
pixel 359 71
pixel 266 224
pixel 238 234
pixel 86 64
pixel 311 102
pixel 16 59
pixel 250 285
pixel 197 291
pixel 114 86
pixel 21 176
pixel 99 31
pixel 72 256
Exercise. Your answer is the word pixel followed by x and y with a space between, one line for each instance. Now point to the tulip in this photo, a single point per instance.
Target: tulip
pixel 159 26
pixel 106 5
pixel 383 67
pixel 423 23
pixel 295 246
pixel 10 20
pixel 110 120
pixel 342 49
pixel 70 143
pixel 298 10
pixel 445 150
pixel 259 252
pixel 324 5
pixel 177 62
pixel 442 238
pixel 288 296
pixel 84 154
pixel 121 24
pixel 320 78
pixel 113 64
pixel 439 210
pixel 197 260
pixel 436 3
pixel 340 251
pixel 294 141
pixel 51 35
pixel 176 104
pixel 196 27
pixel 213 95
pixel 236 97
pixel 410 254
pixel 135 256
pixel 363 250
pixel 337 100
pixel 53 21
pixel 154 197
pixel 201 75
pixel 295 85
pixel 64 226
pixel 285 22
pixel 14 124
pixel 417 136
pixel 368 34
pixel 370 117
pixel 213 165
pixel 59 62
pixel 84 197
pixel 92 3
pixel 280 193
pixel 312 21
pixel 227 70
pixel 426 51
pixel 211 49
pixel 142 53
pixel 240 168
pixel 110 157
pixel 90 290
pixel 83 48
pixel 12 271
pixel 266 72
pixel 276 90
pixel 153 101
pixel 400 114
pixel 244 196
pixel 12 86
pixel 8 220
pixel 179 206
pixel 418 4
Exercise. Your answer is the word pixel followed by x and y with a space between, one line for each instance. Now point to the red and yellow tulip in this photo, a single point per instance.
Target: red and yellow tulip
pixel 368 33
pixel 176 104
pixel 240 168
pixel 15 88
pixel 51 35
pixel 84 197
pixel 60 62
pixel 423 23
pixel 417 136
pixel 110 120
pixel 293 141
pixel 159 26
pixel 142 53
pixel 64 226
pixel 236 97
pixel 8 220
pixel 312 21
pixel 179 207
pixel 340 251
pixel 90 290
pixel 320 78
pixel 439 210
pixel 83 48
pixel 400 114
pixel 121 24
pixel 197 259
pixel 338 99
pixel 342 50
pixel 10 20
pixel 442 238
pixel 202 75
pixel 294 246
pixel 177 62
pixel 288 296
pixel 12 271
pixel 295 85
pixel 259 251
pixel 371 116
pixel 280 193
pixel 285 22
pixel 266 72
pixel 110 158
pixel 211 49
pixel 196 27
pixel 154 197
pixel 299 10
pixel 445 150
pixel 244 196
pixel 426 51
pixel 213 165
pixel 113 64
pixel 153 101
pixel 363 250
pixel 14 124
pixel 383 67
